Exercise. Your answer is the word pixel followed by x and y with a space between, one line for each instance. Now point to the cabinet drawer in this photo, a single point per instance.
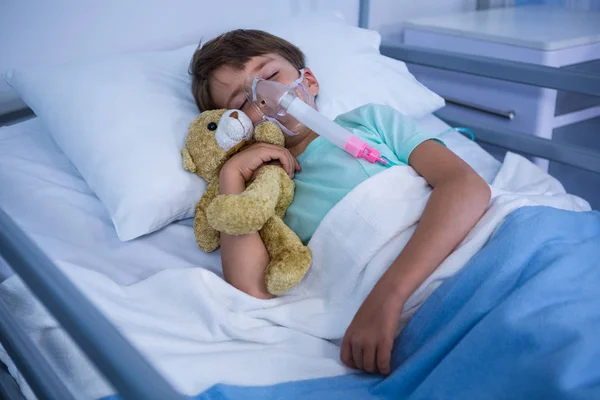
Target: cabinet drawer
pixel 489 102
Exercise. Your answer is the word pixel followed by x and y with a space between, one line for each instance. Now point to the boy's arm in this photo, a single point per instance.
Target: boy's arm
pixel 458 200
pixel 243 257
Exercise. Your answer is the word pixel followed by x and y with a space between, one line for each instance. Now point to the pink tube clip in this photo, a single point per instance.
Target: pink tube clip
pixel 360 149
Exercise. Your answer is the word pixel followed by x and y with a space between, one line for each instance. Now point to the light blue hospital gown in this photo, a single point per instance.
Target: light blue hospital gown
pixel 329 173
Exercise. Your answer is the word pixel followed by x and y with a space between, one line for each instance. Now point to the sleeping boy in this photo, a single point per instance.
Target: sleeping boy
pixel 324 174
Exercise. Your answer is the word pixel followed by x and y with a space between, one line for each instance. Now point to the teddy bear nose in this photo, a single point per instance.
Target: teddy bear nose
pixel 234 115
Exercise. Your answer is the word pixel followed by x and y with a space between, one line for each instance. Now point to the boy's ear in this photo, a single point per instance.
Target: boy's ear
pixel 312 83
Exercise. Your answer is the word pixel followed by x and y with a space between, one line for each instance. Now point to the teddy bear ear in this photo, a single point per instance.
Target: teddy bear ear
pixel 188 163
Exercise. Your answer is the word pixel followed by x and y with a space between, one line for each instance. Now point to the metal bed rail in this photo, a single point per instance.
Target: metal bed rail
pixel 14 117
pixel 518 72
pixel 124 367
pixel 28 359
pixel 9 390
pixel 534 146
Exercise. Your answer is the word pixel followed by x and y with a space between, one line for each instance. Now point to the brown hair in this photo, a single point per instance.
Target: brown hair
pixel 234 49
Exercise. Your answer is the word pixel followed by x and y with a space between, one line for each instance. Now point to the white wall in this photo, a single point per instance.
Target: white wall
pixel 37 32
pixel 34 32
pixel 387 16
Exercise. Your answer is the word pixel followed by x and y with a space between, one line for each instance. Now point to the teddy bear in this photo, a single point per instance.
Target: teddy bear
pixel 214 137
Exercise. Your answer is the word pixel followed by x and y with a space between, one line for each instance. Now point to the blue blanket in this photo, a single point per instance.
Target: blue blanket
pixel 521 320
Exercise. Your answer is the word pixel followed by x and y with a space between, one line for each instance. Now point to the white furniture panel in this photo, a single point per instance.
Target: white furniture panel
pixel 537 34
pixel 387 16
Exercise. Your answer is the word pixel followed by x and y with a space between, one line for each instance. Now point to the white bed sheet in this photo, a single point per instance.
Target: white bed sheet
pixel 47 197
pixel 44 193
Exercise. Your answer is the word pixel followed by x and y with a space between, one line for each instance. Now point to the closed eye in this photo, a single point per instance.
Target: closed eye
pixel 241 107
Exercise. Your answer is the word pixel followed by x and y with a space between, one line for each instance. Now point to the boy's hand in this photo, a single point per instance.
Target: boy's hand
pixel 368 342
pixel 247 162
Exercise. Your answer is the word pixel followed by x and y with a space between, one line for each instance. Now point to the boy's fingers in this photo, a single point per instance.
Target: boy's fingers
pixel 346 354
pixel 290 167
pixel 276 153
pixel 384 355
pixel 292 164
pixel 287 160
pixel 369 358
pixel 357 355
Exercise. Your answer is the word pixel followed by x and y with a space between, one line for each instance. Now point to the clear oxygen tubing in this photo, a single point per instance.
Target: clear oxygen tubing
pixel 331 131
pixel 287 105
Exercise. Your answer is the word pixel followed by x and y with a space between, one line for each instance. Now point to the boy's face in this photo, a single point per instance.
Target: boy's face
pixel 227 83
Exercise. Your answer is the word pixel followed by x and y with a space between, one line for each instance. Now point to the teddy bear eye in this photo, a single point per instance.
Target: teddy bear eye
pixel 212 126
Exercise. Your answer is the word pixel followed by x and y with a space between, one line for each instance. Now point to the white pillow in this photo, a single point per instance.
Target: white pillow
pixel 122 121
pixel 351 71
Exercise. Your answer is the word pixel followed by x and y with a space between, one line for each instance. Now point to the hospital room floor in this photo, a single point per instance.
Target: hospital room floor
pixel 585 184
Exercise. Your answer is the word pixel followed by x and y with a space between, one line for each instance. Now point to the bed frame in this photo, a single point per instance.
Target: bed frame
pixel 123 366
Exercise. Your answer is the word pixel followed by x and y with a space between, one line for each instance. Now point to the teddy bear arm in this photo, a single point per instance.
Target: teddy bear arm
pixel 289 258
pixel 286 193
pixel 247 212
pixel 207 237
pixel 269 132
pixel 188 162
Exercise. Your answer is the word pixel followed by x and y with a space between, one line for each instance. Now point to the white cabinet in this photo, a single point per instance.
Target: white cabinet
pixel 537 34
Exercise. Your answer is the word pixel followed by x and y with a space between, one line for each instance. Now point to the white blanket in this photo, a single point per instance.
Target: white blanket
pixel 198 331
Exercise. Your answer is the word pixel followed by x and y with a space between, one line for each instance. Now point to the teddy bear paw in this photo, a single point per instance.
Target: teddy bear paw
pixel 287 269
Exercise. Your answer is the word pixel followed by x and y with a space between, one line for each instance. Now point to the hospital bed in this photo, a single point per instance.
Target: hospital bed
pixel 79 231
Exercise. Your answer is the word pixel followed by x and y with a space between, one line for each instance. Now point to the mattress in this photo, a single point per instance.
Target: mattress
pixel 47 197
